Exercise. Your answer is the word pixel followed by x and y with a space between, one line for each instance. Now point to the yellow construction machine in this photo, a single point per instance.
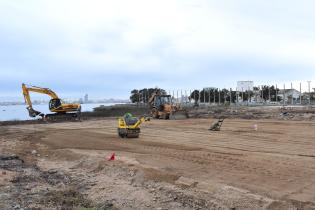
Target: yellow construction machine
pixel 129 126
pixel 61 111
pixel 161 106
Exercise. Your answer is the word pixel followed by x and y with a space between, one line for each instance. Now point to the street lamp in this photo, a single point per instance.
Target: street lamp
pixel 309 91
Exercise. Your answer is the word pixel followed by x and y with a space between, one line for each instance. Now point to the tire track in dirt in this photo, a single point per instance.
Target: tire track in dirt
pixel 276 160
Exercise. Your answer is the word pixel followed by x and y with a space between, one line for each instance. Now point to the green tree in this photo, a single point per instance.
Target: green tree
pixel 134 98
pixel 144 94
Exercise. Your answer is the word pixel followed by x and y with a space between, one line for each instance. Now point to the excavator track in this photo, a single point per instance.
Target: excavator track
pixel 62 117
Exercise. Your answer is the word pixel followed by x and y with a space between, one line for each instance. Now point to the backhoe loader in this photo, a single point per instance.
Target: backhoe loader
pixel 162 107
pixel 61 111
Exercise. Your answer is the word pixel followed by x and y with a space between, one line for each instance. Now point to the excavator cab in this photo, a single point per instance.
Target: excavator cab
pixel 161 100
pixel 162 107
pixel 54 103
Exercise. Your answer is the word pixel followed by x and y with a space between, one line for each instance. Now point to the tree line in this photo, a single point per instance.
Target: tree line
pixel 143 95
pixel 216 95
pixel 213 95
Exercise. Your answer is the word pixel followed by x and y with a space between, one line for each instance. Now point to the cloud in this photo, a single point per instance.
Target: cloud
pixel 97 45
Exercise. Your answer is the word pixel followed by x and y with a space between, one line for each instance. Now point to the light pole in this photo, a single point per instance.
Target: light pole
pixel 300 93
pixel 230 96
pixel 309 91
pixel 283 94
pixel 242 95
pixel 185 96
pixel 291 94
pixel 269 94
pixel 276 93
pixel 219 98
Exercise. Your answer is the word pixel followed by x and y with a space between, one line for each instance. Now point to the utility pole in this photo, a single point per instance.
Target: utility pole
pixel 230 96
pixel 224 97
pixel 249 99
pixel 209 97
pixel 181 96
pixel 189 96
pixel 276 93
pixel 283 94
pixel 300 93
pixel 309 91
pixel 185 96
pixel 219 98
pixel 242 95
pixel 292 94
pixel 262 93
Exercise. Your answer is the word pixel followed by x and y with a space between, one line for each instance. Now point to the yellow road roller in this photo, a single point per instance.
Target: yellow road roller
pixel 129 126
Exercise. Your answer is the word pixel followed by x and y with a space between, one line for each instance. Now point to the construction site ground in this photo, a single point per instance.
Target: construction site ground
pixel 177 164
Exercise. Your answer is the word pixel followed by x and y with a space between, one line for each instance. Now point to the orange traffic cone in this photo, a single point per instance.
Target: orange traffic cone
pixel 112 157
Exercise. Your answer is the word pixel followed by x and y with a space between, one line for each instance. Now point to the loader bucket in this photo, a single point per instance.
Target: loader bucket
pixel 179 115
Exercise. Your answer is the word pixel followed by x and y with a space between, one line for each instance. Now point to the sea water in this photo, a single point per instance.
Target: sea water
pixel 19 112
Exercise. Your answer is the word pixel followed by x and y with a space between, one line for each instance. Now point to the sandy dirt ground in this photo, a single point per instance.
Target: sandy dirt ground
pixel 176 164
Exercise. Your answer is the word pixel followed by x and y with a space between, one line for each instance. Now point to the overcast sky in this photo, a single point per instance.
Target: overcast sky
pixel 106 48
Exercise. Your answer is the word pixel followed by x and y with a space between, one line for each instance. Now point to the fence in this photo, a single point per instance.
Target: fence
pixel 267 95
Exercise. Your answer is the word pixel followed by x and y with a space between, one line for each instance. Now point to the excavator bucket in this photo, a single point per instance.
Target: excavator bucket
pixel 179 115
pixel 33 113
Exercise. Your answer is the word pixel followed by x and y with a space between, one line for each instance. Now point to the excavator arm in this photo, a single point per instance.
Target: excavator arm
pixel 47 91
pixel 151 99
pixel 27 98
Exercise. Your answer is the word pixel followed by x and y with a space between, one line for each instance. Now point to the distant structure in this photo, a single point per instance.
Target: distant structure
pixel 245 86
pixel 86 98
pixel 289 95
pixel 209 88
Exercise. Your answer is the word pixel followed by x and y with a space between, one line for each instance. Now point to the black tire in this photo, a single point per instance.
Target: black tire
pixel 78 117
pixel 155 113
pixel 120 134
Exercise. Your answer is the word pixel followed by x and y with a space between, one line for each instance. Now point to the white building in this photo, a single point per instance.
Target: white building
pixel 245 86
pixel 289 95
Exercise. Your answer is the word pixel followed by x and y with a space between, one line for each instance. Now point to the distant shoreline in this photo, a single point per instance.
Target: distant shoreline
pixel 19 112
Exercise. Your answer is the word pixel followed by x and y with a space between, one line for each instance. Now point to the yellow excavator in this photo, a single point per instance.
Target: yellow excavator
pixel 161 106
pixel 61 111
